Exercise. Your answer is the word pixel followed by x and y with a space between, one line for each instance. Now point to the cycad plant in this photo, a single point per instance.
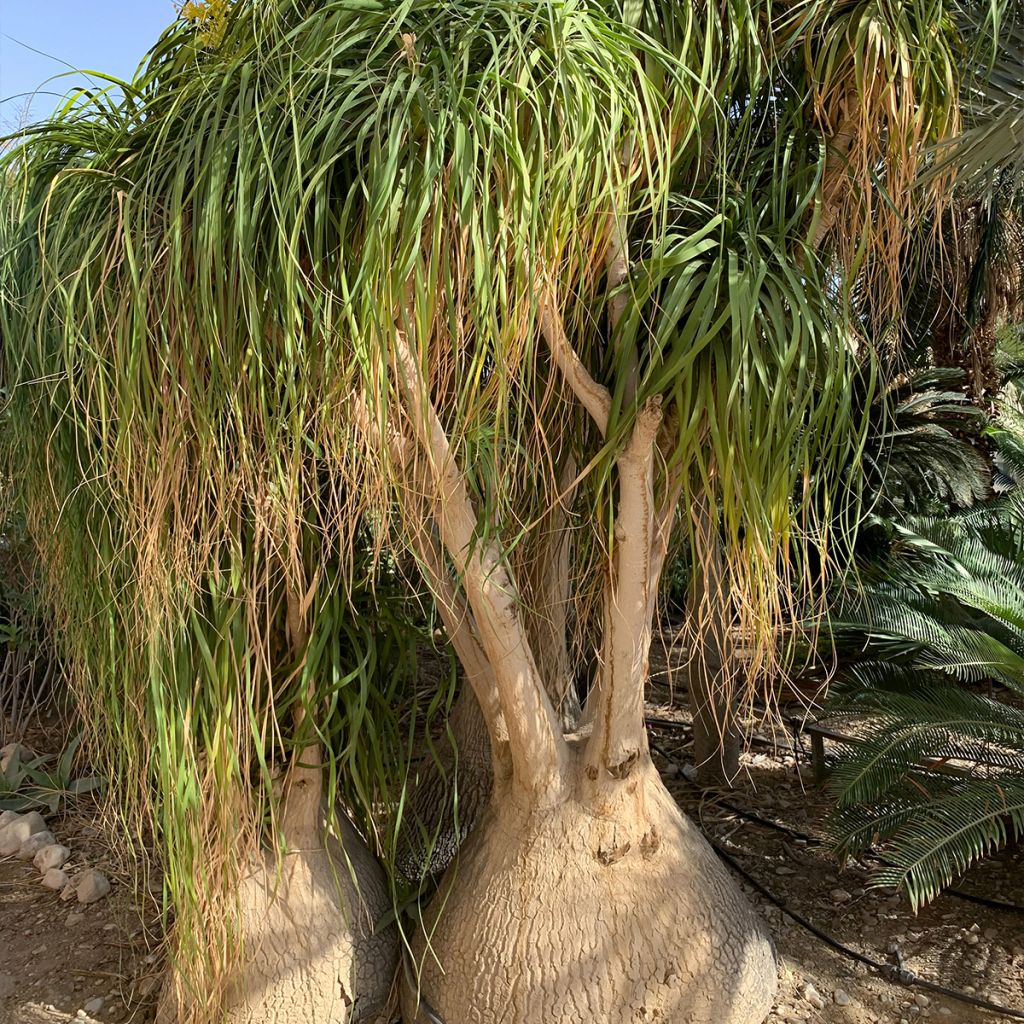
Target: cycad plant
pixel 923 450
pixel 937 774
pixel 500 285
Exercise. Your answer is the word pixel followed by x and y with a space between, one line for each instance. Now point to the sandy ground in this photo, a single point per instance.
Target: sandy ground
pixel 58 957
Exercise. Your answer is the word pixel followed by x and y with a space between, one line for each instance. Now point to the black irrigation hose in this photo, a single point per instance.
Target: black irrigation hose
pixel 891 972
pixel 969 897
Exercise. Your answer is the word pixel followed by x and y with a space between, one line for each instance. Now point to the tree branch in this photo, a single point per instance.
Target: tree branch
pixel 666 512
pixel 617 264
pixel 451 605
pixel 539 754
pixel 594 397
pixel 461 630
pixel 618 740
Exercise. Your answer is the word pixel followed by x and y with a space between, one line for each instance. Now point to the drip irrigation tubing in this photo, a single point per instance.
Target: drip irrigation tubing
pixel 1003 906
pixel 897 972
pixel 892 972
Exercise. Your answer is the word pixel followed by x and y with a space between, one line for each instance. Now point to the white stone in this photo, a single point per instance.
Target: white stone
pixel 93 1006
pixel 7 752
pixel 921 999
pixel 92 885
pixel 842 998
pixel 55 879
pixel 812 996
pixel 52 856
pixel 35 843
pixel 15 833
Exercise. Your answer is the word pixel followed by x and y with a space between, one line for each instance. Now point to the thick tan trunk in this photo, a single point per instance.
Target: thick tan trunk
pixel 308 949
pixel 716 739
pixel 308 945
pixel 562 916
pixel 583 896
pixel 616 705
pixel 514 692
pixel 712 662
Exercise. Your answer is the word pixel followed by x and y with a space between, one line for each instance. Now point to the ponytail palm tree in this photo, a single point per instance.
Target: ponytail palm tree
pixel 334 283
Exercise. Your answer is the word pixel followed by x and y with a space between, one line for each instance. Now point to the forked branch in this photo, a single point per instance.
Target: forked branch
pixel 594 397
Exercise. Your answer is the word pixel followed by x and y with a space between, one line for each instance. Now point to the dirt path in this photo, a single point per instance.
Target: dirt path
pixel 955 943
pixel 57 958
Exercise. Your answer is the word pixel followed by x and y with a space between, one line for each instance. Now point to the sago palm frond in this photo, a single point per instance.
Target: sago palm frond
pixel 936 774
pixel 938 781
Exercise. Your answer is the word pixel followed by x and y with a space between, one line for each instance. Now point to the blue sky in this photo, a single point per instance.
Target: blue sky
pixel 96 35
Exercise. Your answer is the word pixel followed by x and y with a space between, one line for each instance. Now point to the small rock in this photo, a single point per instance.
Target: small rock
pixel 840 896
pixel 972 939
pixel 35 843
pixel 975 928
pixel 93 1006
pixel 921 999
pixel 15 833
pixel 52 856
pixel 842 998
pixel 812 996
pixel 785 871
pixel 945 1011
pixel 8 751
pixel 55 879
pixel 73 918
pixel 149 984
pixel 92 886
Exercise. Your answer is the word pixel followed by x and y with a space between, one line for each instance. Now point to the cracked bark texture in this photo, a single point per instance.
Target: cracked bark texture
pixel 450 792
pixel 566 917
pixel 309 951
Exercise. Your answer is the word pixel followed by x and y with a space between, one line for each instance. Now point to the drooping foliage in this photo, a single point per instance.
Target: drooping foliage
pixel 209 280
pixel 923 449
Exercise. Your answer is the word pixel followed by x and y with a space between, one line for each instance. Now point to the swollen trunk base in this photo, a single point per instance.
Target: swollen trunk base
pixel 567 917
pixel 308 948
